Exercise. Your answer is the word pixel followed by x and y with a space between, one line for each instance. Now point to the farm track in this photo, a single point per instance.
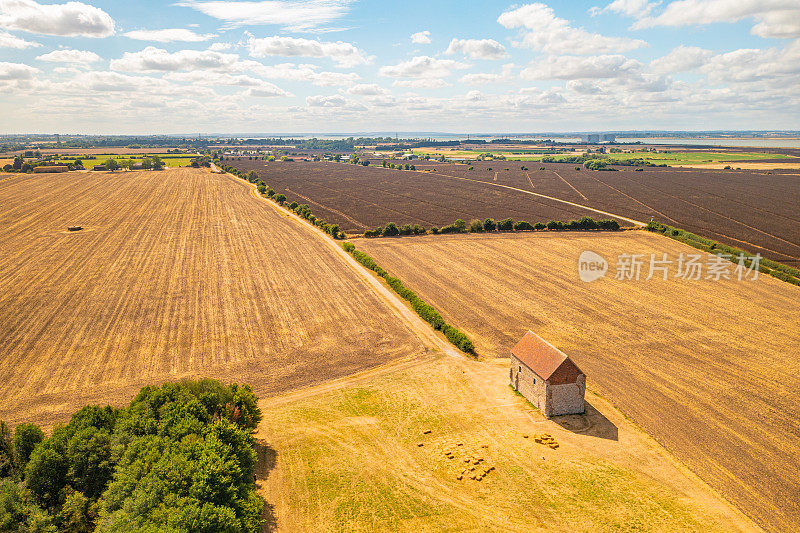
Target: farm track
pixel 707 368
pixel 177 274
pixel 740 208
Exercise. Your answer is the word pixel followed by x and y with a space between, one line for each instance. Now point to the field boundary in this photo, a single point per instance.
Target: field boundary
pixel 764 265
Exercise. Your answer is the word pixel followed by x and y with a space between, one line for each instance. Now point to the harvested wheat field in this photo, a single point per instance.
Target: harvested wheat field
pixel 387 450
pixel 709 368
pixel 180 273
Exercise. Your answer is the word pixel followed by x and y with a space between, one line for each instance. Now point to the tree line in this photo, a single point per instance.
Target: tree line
pixel 488 225
pixel 179 458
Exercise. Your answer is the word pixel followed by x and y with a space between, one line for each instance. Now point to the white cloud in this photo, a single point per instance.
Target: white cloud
pixel 424 83
pixel 169 35
pixel 292 15
pixel 326 101
pixel 775 18
pixel 543 31
pixel 266 90
pixel 367 89
pixel 421 37
pixel 422 67
pixel 631 8
pixel 219 47
pixel 73 19
pixel 344 54
pixel 584 87
pixel 157 59
pixel 681 59
pixel 293 72
pixel 577 67
pixel 16 71
pixel 477 48
pixel 81 57
pixel 773 65
pixel 482 78
pixel 12 41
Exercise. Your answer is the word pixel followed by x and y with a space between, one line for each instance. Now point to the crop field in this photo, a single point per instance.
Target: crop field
pixel 360 198
pixel 708 368
pixel 754 210
pixel 180 273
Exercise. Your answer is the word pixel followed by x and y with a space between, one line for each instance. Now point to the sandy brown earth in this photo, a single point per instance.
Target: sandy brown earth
pixel 176 274
pixel 709 368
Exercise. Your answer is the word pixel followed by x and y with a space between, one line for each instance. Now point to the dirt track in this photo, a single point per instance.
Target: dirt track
pixel 708 368
pixel 177 274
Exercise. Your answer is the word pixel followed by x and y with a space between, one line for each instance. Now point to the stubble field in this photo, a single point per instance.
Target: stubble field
pixel 180 273
pixel 708 368
pixel 755 210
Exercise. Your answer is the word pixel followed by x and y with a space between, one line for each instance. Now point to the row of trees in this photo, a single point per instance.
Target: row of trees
pixel 507 224
pixel 179 458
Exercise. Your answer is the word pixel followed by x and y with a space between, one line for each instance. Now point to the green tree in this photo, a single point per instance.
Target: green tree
pixel 18 161
pixel 111 164
pixel 26 437
pixel 280 198
pixel 8 459
pixel 489 224
pixel 158 164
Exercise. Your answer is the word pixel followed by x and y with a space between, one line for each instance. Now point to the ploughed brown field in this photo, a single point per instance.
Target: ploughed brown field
pixel 709 368
pixel 755 210
pixel 180 273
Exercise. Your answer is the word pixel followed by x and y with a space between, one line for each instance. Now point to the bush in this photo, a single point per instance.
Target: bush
pixel 608 224
pixel 293 205
pixel 390 230
pixel 489 224
pixel 435 230
pixel 521 225
pixel 476 226
pixel 506 224
pixel 348 247
pixel 270 193
pixel 539 226
pixel 26 437
pixel 280 198
pixel 554 225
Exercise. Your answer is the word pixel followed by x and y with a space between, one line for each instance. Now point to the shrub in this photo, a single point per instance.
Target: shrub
pixel 506 224
pixel 293 205
pixel 522 225
pixel 476 226
pixel 555 225
pixel 390 230
pixel 270 193
pixel 435 230
pixel 280 198
pixel 348 247
pixel 539 226
pixel 261 189
pixel 489 224
pixel 608 224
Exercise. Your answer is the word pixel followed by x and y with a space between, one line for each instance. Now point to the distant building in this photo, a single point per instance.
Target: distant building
pixel 99 167
pixel 593 138
pixel 547 377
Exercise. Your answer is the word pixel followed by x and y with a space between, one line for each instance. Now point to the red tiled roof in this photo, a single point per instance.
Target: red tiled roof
pixel 549 363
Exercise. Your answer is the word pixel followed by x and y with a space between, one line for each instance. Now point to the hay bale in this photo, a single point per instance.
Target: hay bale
pixel 74 228
pixel 420 444
pixel 459 477
pixel 426 431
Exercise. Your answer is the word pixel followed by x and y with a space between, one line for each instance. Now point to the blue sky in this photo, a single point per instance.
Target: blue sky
pixel 290 66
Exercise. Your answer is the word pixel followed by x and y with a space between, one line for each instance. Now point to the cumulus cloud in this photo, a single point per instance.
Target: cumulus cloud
pixel 294 72
pixel 477 48
pixel 681 59
pixel 12 41
pixel 156 59
pixel 422 67
pixel 16 71
pixel 169 35
pixel 421 37
pixel 367 89
pixel 326 101
pixel 219 47
pixel 424 83
pixel 543 31
pixel 584 87
pixel 578 67
pixel 80 57
pixel 266 90
pixel 482 78
pixel 631 8
pixel 292 15
pixel 72 19
pixel 342 53
pixel 775 18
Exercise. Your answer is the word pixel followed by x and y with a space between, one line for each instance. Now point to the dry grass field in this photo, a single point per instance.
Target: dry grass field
pixel 709 368
pixel 355 456
pixel 180 273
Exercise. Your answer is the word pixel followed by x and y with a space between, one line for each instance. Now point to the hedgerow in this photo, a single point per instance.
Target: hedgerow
pixel 733 254
pixel 426 311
